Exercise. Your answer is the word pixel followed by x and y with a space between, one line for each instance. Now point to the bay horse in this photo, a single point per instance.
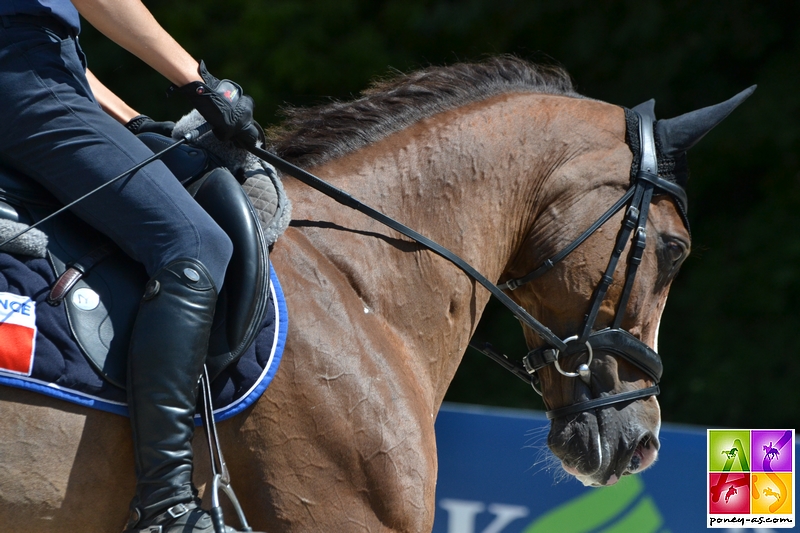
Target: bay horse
pixel 504 164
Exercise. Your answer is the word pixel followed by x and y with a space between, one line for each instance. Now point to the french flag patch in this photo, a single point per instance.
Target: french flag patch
pixel 17 333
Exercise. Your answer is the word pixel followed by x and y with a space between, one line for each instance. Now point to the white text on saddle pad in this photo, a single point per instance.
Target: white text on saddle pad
pixel 17 333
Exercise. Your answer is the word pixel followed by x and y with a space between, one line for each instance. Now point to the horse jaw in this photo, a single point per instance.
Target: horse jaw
pixel 598 447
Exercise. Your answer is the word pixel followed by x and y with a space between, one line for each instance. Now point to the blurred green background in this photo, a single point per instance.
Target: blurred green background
pixel 729 334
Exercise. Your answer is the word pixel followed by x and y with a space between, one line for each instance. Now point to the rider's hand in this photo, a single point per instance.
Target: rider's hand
pixel 223 104
pixel 144 124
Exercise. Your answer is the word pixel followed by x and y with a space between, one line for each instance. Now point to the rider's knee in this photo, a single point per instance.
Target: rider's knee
pixel 215 252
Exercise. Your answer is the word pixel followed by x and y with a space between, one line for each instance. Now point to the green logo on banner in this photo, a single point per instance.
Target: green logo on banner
pixel 621 508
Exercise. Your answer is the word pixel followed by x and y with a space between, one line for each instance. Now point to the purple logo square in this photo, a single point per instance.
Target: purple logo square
pixel 771 450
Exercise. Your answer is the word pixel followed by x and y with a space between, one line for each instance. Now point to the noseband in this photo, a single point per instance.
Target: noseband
pixel 614 340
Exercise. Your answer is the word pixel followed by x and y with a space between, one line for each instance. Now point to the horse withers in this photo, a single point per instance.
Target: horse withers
pixel 505 165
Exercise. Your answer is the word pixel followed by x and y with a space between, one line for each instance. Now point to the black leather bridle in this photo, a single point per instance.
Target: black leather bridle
pixel 614 340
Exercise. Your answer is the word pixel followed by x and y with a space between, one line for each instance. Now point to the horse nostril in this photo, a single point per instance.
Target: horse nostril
pixel 649 441
pixel 645 453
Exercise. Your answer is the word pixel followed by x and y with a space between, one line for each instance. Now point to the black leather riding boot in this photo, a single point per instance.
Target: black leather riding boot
pixel 168 348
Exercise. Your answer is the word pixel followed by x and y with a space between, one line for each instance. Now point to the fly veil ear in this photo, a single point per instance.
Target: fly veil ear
pixel 677 135
pixel 674 137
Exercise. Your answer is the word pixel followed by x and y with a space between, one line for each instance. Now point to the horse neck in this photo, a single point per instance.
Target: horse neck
pixel 469 179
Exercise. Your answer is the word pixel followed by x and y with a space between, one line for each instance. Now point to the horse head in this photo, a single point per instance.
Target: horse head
pixel 596 267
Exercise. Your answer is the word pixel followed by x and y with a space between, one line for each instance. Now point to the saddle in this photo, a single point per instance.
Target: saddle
pixel 100 286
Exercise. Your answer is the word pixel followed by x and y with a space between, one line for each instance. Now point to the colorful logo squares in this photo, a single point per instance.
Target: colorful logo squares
pixel 750 477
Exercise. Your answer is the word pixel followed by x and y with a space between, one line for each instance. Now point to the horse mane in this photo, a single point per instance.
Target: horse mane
pixel 314 135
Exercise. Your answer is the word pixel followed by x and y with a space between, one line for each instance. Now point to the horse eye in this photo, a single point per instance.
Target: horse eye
pixel 675 250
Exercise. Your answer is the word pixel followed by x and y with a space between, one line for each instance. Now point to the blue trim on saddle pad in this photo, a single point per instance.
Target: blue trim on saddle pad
pixel 270 342
pixel 61 371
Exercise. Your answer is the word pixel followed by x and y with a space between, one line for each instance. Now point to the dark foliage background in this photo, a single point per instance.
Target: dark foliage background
pixel 729 334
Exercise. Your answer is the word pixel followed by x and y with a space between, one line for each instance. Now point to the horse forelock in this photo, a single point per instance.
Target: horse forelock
pixel 312 136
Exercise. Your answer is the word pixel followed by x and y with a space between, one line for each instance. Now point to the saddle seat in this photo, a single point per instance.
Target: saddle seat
pixel 105 285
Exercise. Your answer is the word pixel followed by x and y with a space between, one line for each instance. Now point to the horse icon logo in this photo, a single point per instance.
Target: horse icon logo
pixel 770 452
pixel 769 492
pixel 731 492
pixel 731 453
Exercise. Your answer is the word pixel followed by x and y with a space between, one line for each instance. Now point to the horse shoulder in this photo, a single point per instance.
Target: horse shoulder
pixel 343 439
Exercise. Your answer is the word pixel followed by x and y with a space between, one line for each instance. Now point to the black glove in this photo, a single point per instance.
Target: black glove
pixel 144 124
pixel 223 104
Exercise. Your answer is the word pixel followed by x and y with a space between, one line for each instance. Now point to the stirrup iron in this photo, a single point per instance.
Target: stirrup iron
pixel 219 469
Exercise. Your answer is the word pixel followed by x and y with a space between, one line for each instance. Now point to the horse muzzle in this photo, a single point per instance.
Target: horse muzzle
pixel 599 448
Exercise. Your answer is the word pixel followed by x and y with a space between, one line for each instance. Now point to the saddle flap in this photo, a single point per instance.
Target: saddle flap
pixel 243 300
pixel 102 306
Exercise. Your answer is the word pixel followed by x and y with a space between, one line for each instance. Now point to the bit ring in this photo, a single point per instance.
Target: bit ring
pixel 582 372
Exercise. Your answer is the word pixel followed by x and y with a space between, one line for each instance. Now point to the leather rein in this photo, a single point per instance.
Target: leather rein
pixel 612 340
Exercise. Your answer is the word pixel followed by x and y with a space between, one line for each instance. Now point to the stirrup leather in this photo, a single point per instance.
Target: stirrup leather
pixel 219 469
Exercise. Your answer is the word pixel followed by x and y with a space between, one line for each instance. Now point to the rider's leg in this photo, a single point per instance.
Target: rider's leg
pixel 167 352
pixel 62 139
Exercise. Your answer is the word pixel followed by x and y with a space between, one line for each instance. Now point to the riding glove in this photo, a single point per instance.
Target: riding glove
pixel 223 104
pixel 144 124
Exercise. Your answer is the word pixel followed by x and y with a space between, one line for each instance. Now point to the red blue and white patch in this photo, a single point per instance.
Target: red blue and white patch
pixel 17 333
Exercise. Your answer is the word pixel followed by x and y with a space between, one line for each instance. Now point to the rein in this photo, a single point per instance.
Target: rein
pixel 345 199
pixel 613 340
